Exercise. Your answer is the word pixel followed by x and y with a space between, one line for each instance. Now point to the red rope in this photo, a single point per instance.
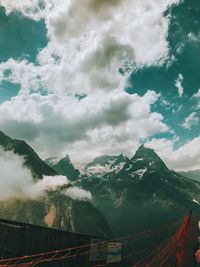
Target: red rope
pixel 175 243
pixel 80 254
pixel 161 254
pixel 129 237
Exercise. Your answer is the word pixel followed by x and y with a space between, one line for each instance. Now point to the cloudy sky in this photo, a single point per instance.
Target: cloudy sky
pixel 95 77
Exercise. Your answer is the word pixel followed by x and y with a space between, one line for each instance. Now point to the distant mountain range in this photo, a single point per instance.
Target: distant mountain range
pixel 131 194
pixel 195 175
pixel 138 193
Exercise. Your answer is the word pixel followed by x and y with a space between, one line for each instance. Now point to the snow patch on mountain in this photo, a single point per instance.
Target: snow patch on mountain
pixel 195 201
pixel 138 159
pixel 138 173
pixel 99 169
pixel 106 165
pixel 53 160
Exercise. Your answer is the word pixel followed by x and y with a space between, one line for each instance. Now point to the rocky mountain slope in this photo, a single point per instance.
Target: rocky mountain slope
pixel 57 211
pixel 37 166
pixel 143 193
pixel 63 166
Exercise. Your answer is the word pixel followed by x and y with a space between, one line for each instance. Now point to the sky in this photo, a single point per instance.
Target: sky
pixel 95 77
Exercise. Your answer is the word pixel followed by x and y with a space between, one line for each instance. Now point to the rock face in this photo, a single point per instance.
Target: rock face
pixel 63 166
pixel 57 211
pixel 141 194
pixel 37 166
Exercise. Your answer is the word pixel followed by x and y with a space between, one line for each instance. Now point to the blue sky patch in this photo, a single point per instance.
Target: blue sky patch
pixel 20 37
pixel 8 90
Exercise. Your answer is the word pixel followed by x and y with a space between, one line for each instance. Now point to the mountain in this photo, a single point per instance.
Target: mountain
pixel 105 164
pixel 53 207
pixel 63 166
pixel 57 211
pixel 144 193
pixel 37 166
pixel 195 175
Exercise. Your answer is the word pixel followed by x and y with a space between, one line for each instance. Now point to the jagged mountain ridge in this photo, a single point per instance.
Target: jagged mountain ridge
pixel 63 166
pixel 132 194
pixel 37 166
pixel 143 193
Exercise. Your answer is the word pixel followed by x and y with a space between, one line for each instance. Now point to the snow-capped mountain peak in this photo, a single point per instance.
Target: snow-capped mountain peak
pixel 147 158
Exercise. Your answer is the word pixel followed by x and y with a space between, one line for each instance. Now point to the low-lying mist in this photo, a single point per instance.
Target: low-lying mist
pixel 16 181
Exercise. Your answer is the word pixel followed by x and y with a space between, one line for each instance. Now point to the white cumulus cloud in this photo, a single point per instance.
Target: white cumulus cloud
pixel 103 122
pixel 178 84
pixel 197 97
pixel 186 157
pixel 191 120
pixel 89 41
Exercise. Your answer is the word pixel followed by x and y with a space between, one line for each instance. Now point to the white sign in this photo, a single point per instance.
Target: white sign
pixel 98 250
pixel 114 253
